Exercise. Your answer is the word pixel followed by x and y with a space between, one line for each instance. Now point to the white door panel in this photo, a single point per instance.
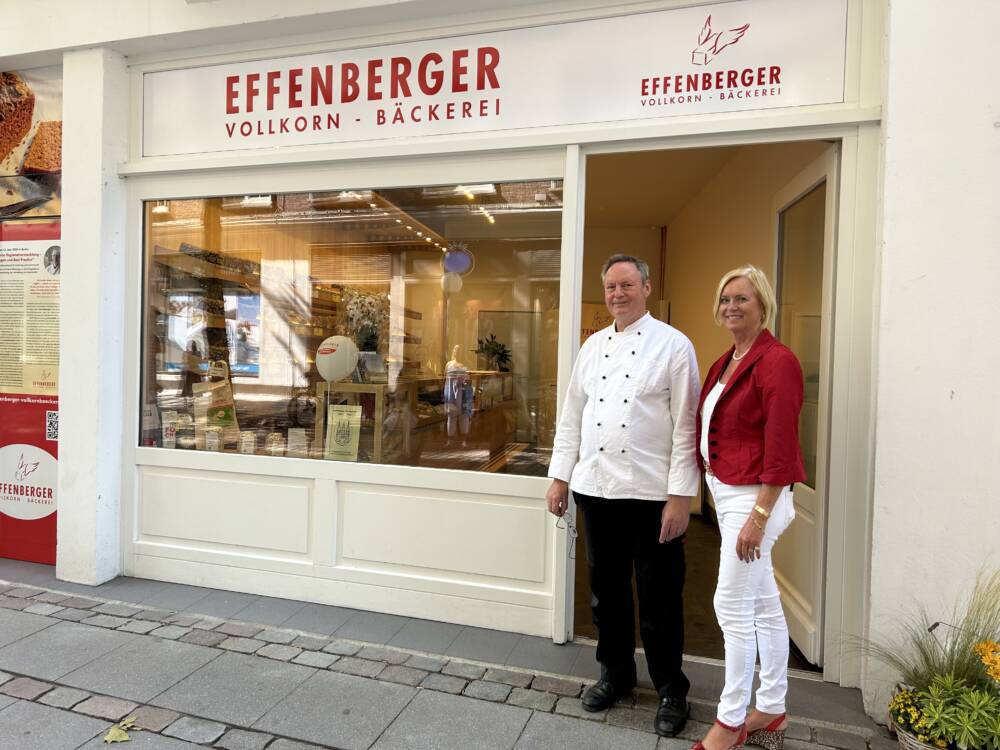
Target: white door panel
pixel 805 219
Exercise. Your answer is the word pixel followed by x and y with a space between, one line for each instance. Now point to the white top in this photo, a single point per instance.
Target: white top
pixel 706 416
pixel 627 428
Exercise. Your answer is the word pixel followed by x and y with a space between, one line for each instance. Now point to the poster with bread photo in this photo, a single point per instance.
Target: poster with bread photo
pixel 30 142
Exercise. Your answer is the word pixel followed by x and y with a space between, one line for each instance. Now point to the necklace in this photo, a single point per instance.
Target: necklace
pixel 738 357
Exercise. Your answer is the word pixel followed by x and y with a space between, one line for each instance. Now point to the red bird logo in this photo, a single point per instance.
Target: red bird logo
pixel 24 469
pixel 710 45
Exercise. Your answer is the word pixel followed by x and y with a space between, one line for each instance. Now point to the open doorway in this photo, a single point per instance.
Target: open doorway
pixel 693 214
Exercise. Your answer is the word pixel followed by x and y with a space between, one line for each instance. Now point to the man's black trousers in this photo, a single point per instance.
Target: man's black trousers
pixel 623 535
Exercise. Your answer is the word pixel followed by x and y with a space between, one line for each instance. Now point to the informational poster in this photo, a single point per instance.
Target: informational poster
pixel 30 272
pixel 343 431
pixel 30 258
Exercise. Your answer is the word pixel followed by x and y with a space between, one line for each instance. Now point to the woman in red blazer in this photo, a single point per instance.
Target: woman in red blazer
pixel 748 438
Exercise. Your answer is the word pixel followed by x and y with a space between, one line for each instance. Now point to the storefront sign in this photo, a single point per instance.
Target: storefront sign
pixel 744 55
pixel 30 265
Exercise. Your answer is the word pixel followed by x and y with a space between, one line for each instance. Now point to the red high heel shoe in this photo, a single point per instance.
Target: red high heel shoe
pixel 770 737
pixel 740 739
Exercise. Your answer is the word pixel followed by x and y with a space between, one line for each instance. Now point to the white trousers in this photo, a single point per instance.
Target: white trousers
pixel 748 606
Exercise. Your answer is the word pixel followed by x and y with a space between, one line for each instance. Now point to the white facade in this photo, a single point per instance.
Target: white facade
pixel 918 133
pixel 936 519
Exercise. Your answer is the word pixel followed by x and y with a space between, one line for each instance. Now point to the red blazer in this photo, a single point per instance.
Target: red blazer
pixel 753 437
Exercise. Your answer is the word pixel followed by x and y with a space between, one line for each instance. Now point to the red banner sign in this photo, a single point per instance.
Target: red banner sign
pixel 30 260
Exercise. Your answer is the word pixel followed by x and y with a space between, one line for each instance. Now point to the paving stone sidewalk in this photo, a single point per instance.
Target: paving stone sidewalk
pixel 71 666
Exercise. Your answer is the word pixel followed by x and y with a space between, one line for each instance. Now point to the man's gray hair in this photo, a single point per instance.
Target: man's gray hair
pixel 640 264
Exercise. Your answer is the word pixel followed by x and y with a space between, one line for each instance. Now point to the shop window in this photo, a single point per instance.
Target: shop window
pixel 413 326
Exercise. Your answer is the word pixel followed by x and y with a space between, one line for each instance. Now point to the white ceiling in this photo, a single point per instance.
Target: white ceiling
pixel 648 188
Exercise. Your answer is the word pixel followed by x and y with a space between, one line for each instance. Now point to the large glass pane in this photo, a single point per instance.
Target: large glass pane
pixel 800 308
pixel 410 326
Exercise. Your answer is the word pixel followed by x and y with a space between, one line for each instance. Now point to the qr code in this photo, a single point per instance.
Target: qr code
pixel 52 425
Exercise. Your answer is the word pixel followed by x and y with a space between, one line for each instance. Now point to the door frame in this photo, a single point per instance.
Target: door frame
pixel 851 424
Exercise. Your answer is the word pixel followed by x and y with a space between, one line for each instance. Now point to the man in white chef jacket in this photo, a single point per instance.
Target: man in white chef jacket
pixel 625 446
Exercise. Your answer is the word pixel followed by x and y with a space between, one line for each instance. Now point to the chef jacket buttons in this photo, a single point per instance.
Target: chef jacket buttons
pixel 626 401
pixel 714 455
pixel 606 356
pixel 710 442
pixel 623 425
pixel 599 424
pixel 604 377
pixel 601 448
pixel 626 375
pixel 601 400
pixel 633 354
pixel 623 450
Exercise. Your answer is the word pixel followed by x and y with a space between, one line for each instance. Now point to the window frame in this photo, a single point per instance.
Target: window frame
pixel 388 173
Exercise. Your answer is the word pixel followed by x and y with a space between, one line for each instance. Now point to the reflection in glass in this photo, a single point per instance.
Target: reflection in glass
pixel 421 284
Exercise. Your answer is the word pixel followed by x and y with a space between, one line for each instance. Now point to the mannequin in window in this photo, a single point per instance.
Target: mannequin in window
pixel 457 395
pixel 453 363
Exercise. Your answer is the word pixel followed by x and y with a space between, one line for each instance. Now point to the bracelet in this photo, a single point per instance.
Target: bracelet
pixel 754 522
pixel 762 511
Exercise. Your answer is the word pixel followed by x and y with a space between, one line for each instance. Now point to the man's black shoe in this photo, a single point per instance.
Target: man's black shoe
pixel 671 716
pixel 603 694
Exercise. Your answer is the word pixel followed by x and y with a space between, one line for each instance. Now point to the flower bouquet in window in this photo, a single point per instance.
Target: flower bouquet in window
pixel 365 317
pixel 949 694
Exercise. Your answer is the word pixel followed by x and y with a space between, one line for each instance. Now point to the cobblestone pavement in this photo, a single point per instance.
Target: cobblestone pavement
pixel 71 666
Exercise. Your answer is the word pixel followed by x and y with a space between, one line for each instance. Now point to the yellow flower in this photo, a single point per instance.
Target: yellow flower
pixel 989 653
pixel 985 648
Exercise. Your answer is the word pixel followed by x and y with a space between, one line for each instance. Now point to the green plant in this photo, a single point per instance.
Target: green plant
pixel 958 714
pixel 994 727
pixel 495 352
pixel 950 672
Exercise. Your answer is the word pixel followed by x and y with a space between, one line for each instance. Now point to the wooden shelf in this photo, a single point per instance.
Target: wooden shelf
pixel 201 269
pixel 404 338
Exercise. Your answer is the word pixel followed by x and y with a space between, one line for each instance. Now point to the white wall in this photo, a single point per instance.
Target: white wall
pixel 92 321
pixel 936 509
pixel 149 26
pixel 728 223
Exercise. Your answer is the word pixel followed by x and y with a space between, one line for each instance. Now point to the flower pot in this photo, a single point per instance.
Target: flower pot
pixel 908 741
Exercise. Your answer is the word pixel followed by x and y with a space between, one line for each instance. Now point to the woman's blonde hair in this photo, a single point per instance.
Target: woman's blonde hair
pixel 765 294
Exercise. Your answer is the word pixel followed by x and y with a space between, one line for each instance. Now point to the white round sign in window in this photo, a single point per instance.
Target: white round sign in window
pixel 28 478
